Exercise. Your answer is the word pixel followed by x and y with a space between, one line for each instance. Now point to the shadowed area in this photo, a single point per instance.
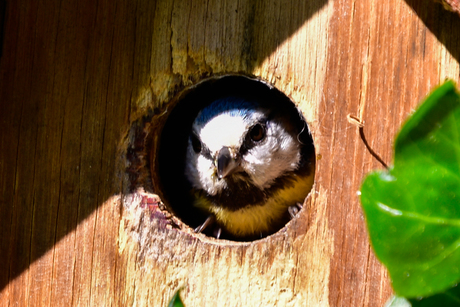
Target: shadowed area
pixel 443 24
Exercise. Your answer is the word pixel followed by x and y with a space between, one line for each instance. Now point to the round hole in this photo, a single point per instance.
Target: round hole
pixel 236 152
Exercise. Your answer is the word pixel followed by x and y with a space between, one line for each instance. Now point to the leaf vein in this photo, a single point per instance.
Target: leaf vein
pixel 416 216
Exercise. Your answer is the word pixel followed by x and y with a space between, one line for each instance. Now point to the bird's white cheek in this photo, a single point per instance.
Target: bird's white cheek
pixel 267 162
pixel 287 144
pixel 191 170
pixel 289 150
pixel 256 166
pixel 252 160
pixel 207 176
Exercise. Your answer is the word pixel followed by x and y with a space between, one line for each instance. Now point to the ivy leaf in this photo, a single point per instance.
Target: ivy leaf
pixel 413 209
pixel 396 301
pixel 450 298
pixel 176 301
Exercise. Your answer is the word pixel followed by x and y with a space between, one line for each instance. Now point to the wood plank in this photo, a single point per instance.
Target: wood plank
pixel 77 77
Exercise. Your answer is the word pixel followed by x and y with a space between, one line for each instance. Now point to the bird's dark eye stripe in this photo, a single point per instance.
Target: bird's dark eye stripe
pixel 255 135
pixel 207 153
pixel 196 143
pixel 199 147
pixel 257 132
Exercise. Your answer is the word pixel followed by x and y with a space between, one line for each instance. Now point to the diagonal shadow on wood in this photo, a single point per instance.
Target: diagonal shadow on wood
pixel 67 77
pixel 444 24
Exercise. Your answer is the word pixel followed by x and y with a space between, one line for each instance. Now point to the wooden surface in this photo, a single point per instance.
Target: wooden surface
pixel 79 83
pixel 451 5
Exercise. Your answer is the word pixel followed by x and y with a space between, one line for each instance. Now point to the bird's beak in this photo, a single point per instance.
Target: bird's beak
pixel 226 163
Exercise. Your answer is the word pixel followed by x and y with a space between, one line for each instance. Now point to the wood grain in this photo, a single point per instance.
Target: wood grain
pixel 83 84
pixel 451 5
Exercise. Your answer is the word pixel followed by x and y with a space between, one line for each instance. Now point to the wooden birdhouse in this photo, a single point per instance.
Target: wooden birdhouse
pixel 86 88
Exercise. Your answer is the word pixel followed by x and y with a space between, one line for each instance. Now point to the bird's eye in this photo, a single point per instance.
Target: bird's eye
pixel 196 143
pixel 257 133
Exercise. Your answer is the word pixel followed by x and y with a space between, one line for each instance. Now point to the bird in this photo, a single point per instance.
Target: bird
pixel 249 164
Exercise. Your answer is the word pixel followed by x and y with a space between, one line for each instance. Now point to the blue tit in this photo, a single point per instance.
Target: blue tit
pixel 247 164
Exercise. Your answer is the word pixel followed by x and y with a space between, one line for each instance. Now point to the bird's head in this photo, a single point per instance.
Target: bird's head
pixel 236 144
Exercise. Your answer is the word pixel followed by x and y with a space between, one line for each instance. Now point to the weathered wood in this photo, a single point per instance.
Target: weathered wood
pixel 79 81
pixel 451 5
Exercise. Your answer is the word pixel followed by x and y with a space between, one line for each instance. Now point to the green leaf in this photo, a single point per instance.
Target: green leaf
pixel 176 301
pixel 450 298
pixel 413 210
pixel 396 301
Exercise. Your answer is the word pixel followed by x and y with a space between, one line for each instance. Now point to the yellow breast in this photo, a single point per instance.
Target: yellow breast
pixel 255 219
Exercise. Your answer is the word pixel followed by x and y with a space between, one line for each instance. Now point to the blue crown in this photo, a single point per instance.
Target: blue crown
pixel 234 106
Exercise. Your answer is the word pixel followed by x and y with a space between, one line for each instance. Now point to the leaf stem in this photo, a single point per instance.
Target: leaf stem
pixel 357 122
